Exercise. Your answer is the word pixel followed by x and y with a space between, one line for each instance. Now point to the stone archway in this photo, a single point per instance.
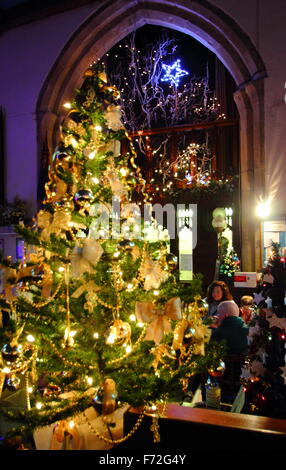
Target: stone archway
pixel 112 21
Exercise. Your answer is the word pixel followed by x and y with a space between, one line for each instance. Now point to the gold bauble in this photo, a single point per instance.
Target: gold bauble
pixel 89 73
pixel 172 261
pixel 217 371
pixel 119 333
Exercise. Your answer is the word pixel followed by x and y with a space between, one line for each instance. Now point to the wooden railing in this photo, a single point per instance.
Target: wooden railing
pixel 225 154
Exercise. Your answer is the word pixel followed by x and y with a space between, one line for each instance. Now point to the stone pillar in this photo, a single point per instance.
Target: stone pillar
pixel 255 93
pixel 249 102
pixel 246 182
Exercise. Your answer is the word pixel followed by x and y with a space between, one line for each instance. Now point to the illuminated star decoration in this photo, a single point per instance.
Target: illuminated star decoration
pixel 173 73
pixel 258 298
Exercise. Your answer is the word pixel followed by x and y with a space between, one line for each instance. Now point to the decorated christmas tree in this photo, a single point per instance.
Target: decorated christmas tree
pixel 94 315
pixel 271 286
pixel 230 264
pixel 264 374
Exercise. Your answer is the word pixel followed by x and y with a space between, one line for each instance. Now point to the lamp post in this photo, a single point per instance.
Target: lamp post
pixel 219 224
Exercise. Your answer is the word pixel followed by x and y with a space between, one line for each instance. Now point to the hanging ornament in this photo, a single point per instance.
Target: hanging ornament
pixel 218 370
pixel 179 334
pixel 159 319
pixel 119 333
pixel 117 187
pixel 113 117
pixel 172 261
pixel 109 397
pixel 126 245
pixel 105 399
pixel 102 76
pixel 85 256
pixel 131 181
pixel 51 391
pixel 13 383
pixel 60 154
pixel 159 352
pixel 189 333
pixel 152 273
pixel 11 353
pixel 89 73
pixel 83 197
pixel 77 117
pixel 68 342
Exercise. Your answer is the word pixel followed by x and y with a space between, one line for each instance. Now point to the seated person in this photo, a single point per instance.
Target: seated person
pixel 217 292
pixel 231 328
pixel 246 308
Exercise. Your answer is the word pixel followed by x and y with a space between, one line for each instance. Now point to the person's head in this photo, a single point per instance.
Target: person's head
pixel 227 308
pixel 218 291
pixel 246 304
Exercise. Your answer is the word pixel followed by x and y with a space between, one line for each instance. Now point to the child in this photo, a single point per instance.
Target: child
pixel 246 308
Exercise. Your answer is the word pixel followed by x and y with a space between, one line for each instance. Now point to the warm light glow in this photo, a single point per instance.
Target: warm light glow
pixel 39 405
pixel 30 338
pixel 95 180
pixel 140 324
pixel 98 128
pixel 6 370
pixel 30 389
pixel 74 142
pixel 111 338
pixel 96 335
pixel 71 424
pixel 61 269
pixel 132 317
pixel 129 286
pixel 89 380
pixel 123 171
pixel 263 209
pixel 67 105
pixel 92 155
pixel 156 292
pixel 128 348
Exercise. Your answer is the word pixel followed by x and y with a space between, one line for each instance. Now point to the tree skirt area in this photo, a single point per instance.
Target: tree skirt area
pixel 85 439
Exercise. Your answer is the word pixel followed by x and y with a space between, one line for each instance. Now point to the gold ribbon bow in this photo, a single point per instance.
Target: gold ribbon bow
pixel 85 257
pixel 63 430
pixel 8 274
pixel 159 319
pixel 56 223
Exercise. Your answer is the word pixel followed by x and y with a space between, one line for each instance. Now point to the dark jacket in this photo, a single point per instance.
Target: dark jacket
pixel 234 331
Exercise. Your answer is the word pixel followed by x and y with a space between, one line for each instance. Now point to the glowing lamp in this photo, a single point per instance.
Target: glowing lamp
pixel 263 209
